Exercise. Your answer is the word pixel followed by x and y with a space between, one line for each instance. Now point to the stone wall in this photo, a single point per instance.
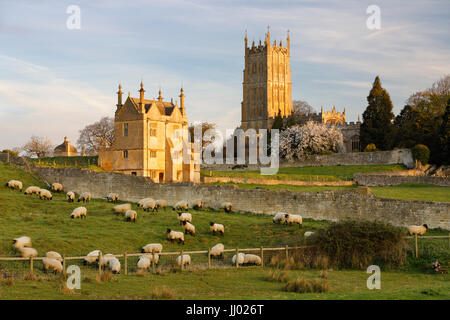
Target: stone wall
pixel 386 179
pixel 275 182
pixel 327 205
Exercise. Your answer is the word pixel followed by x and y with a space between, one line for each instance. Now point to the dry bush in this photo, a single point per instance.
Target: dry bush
pixel 163 294
pixel 29 276
pixel 104 276
pixel 301 285
pixel 323 274
pixel 64 290
pixel 7 280
pixel 300 259
pixel 278 276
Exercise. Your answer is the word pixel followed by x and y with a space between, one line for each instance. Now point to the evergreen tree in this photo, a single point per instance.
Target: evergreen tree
pixel 443 138
pixel 291 121
pixel 278 122
pixel 407 128
pixel 377 124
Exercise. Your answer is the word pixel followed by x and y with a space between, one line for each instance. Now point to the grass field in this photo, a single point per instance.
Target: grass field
pixel 413 191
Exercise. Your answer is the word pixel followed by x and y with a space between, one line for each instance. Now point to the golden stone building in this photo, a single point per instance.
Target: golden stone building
pixel 148 140
pixel 65 149
pixel 267 84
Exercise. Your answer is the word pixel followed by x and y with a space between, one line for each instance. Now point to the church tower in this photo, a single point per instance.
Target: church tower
pixel 267 83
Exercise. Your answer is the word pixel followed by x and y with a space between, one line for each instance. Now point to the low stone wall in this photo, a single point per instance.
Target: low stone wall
pixel 327 205
pixel 386 179
pixel 275 182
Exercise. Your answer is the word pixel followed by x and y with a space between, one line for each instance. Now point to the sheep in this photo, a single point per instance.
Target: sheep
pixel 142 201
pixel 14 184
pixel 252 259
pixel 189 228
pixel 32 190
pixel 122 208
pixel 54 255
pixel 308 234
pixel 181 205
pixel 45 194
pixel 114 265
pixel 150 205
pixel 52 264
pixel 184 216
pixel 22 242
pixel 197 204
pixel 293 218
pixel 216 227
pixel 112 197
pixel 92 257
pixel 279 217
pixel 152 247
pixel 161 203
pixel 145 260
pixel 70 196
pixel 85 197
pixel 57 187
pixel 28 252
pixel 217 250
pixel 419 230
pixel 79 212
pixel 241 257
pixel 105 259
pixel 131 215
pixel 227 206
pixel 183 261
pixel 175 235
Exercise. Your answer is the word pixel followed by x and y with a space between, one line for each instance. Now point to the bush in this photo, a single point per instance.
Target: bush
pixel 421 152
pixel 358 244
pixel 301 285
pixel 11 153
pixel 371 147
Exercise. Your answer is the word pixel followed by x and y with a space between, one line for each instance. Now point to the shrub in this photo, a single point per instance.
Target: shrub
pixel 421 152
pixel 163 294
pixel 11 153
pixel 301 285
pixel 277 276
pixel 371 147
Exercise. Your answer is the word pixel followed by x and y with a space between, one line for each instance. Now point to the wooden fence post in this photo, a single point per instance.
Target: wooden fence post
pixel 182 260
pixel 153 260
pixel 287 253
pixel 262 257
pixel 99 264
pixel 31 265
pixel 417 247
pixel 209 258
pixel 64 265
pixel 125 263
pixel 237 257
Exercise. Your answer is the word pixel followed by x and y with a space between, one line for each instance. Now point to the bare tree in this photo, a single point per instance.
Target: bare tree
pixel 97 135
pixel 302 108
pixel 205 127
pixel 38 147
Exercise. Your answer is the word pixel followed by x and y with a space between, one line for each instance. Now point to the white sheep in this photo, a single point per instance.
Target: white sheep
pixel 161 203
pixel 241 257
pixel 54 255
pixel 184 216
pixel 52 264
pixel 105 259
pixel 197 204
pixel 32 190
pixel 252 259
pixel 22 242
pixel 279 217
pixel 142 201
pixel 145 261
pixel 28 252
pixel 14 184
pixel 189 228
pixel 308 234
pixel 79 212
pixel 85 197
pixel 181 205
pixel 45 194
pixel 114 265
pixel 70 196
pixel 217 227
pixel 112 197
pixel 150 205
pixel 293 219
pixel 131 215
pixel 185 260
pixel 227 206
pixel 419 230
pixel 122 208
pixel 57 187
pixel 175 235
pixel 152 247
pixel 217 250
pixel 92 257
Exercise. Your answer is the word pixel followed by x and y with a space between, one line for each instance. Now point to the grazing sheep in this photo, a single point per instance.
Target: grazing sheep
pixel 279 218
pixel 419 230
pixel 122 208
pixel 181 205
pixel 131 215
pixel 54 255
pixel 241 257
pixel 252 259
pixel 28 252
pixel 189 228
pixel 197 204
pixel 185 260
pixel 79 212
pixel 293 218
pixel 227 206
pixel 70 196
pixel 114 265
pixel 52 264
pixel 184 216
pixel 112 197
pixel 105 259
pixel 161 203
pixel 150 205
pixel 152 247
pixel 45 194
pixel 142 201
pixel 217 227
pixel 145 261
pixel 437 268
pixel 22 242
pixel 57 187
pixel 32 190
pixel 308 234
pixel 92 257
pixel 14 184
pixel 175 235
pixel 217 250
pixel 85 197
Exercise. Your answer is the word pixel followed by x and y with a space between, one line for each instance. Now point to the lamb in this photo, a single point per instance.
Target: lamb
pixel 252 259
pixel 112 197
pixel 142 201
pixel 131 215
pixel 197 204
pixel 57 187
pixel 279 218
pixel 79 212
pixel 419 230
pixel 217 250
pixel 85 197
pixel 32 190
pixel 114 265
pixel 28 252
pixel 152 247
pixel 14 184
pixel 52 264
pixel 92 257
pixel 22 242
pixel 105 259
pixel 185 260
pixel 175 235
pixel 181 205
pixel 293 218
pixel 227 206
pixel 241 257
pixel 145 261
pixel 122 208
pixel 54 255
pixel 308 234
pixel 189 228
pixel 150 205
pixel 184 216
pixel 70 196
pixel 217 227
pixel 45 194
pixel 161 204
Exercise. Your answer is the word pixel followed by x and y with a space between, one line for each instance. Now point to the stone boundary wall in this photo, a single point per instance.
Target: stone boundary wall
pixel 327 205
pixel 386 179
pixel 275 182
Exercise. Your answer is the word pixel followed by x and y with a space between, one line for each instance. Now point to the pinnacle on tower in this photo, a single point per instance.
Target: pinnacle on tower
pixel 119 97
pixel 160 98
pixel 141 94
pixel 183 109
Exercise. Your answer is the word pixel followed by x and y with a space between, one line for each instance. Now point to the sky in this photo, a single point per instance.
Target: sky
pixel 54 80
